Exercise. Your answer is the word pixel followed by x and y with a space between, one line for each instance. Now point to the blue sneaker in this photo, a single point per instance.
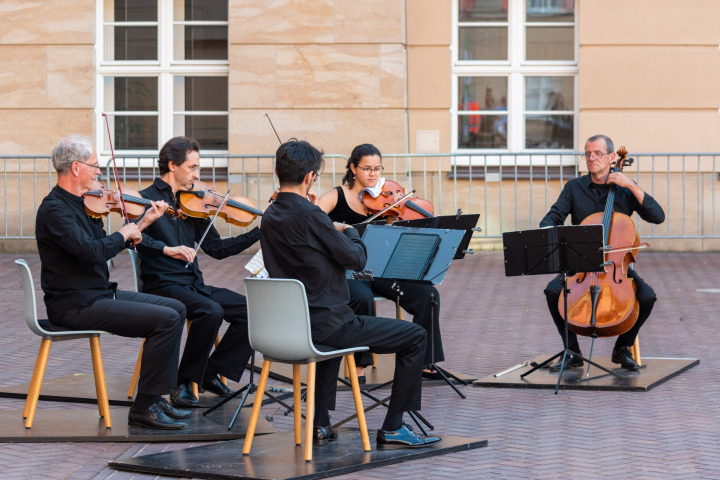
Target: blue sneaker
pixel 403 438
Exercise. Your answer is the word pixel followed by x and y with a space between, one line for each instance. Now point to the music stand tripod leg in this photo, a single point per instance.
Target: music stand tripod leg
pixel 433 367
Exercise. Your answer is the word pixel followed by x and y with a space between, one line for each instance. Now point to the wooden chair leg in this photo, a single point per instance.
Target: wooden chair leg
pixel 36 382
pixel 358 403
pixel 297 405
pixel 136 373
pixel 635 350
pixel 346 370
pixel 310 409
pixel 374 364
pixel 102 396
pixel 256 407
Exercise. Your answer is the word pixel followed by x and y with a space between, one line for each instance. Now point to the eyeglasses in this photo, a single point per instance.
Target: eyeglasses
pixel 593 155
pixel 93 165
pixel 317 175
pixel 371 169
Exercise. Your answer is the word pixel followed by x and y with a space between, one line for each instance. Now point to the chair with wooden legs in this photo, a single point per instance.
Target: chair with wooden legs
pixel 134 261
pixel 51 333
pixel 281 332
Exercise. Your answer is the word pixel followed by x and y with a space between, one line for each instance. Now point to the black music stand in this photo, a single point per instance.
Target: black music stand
pixel 459 221
pixel 566 250
pixel 412 254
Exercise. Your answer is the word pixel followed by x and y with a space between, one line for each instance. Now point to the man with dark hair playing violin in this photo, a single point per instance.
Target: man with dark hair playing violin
pixel 343 204
pixel 168 246
pixel 300 241
pixel 74 251
pixel 582 197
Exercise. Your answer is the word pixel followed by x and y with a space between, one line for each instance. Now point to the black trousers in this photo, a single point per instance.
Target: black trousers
pixel 382 335
pixel 206 312
pixel 645 296
pixel 159 320
pixel 415 300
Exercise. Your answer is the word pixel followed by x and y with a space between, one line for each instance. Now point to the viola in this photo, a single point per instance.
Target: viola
pixel 100 201
pixel 604 303
pixel 409 209
pixel 201 201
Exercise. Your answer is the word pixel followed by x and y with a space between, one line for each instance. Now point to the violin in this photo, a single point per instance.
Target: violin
pixel 201 201
pixel 409 209
pixel 604 303
pixel 100 201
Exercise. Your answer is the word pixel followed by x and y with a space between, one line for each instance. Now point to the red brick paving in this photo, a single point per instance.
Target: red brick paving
pixel 489 323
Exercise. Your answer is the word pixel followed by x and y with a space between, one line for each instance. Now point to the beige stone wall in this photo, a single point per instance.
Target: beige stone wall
pixel 649 73
pixel 47 80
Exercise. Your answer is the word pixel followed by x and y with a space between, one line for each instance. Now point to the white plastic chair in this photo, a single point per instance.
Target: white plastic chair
pixel 279 328
pixel 50 333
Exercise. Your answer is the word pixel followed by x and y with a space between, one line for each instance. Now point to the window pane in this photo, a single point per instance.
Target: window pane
pixel 483 43
pixel 550 43
pixel 211 131
pixel 549 93
pixel 483 10
pixel 550 11
pixel 482 93
pixel 133 43
pixel 482 131
pixel 549 131
pixel 201 94
pixel 134 11
pixel 135 133
pixel 204 43
pixel 135 93
pixel 199 10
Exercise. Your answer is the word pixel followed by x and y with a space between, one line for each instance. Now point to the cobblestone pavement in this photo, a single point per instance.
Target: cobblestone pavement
pixel 489 322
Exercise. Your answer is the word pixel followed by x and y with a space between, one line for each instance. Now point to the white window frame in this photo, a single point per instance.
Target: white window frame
pixel 165 69
pixel 516 69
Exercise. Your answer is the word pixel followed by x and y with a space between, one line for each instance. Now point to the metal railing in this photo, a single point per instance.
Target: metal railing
pixel 509 191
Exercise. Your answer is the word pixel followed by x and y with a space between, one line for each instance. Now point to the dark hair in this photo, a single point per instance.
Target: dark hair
pixel 295 159
pixel 175 150
pixel 364 150
pixel 608 143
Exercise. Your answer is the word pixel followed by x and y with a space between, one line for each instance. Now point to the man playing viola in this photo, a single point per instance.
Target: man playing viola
pixel 300 241
pixel 167 247
pixel 74 251
pixel 582 197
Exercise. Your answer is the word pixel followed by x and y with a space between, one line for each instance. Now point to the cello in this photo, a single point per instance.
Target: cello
pixel 603 303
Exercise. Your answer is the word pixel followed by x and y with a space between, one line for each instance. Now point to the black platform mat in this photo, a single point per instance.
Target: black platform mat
pixel 655 371
pixel 87 426
pixel 277 457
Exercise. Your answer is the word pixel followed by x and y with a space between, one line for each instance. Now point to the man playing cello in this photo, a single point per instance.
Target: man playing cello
pixel 582 197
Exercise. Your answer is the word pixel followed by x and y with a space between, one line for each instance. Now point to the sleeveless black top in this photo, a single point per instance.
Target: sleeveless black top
pixel 343 213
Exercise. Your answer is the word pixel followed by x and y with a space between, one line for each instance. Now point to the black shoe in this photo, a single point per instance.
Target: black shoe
pixel 171 411
pixel 152 417
pixel 322 435
pixel 362 379
pixel 183 396
pixel 623 356
pixel 403 438
pixel 217 387
pixel 571 361
pixel 431 375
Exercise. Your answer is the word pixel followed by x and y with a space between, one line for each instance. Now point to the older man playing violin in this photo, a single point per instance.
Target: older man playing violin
pixel 74 251
pixel 165 251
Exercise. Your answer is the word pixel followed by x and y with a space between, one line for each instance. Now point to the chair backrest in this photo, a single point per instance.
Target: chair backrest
pixel 135 262
pixel 279 319
pixel 28 288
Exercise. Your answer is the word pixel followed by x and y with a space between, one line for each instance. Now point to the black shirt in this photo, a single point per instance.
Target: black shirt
pixel 159 270
pixel 299 241
pixel 581 197
pixel 343 213
pixel 74 251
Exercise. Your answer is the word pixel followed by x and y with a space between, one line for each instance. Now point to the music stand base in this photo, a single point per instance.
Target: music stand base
pixel 564 354
pixel 445 374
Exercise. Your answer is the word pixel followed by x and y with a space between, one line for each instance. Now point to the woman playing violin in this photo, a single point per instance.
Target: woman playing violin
pixel 582 197
pixel 343 204
pixel 166 249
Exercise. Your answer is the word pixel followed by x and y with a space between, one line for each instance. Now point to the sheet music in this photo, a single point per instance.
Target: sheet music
pixel 256 266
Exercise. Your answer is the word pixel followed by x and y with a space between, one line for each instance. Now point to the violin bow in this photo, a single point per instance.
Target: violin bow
pixel 197 247
pixel 273 128
pixel 117 177
pixel 389 207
